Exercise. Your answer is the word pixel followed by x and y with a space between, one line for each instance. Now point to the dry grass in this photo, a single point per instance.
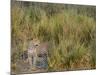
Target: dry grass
pixel 71 36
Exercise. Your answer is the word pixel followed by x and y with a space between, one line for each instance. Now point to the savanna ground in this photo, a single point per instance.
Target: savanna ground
pixel 70 31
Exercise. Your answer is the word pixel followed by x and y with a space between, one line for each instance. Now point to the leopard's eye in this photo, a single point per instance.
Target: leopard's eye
pixel 36 45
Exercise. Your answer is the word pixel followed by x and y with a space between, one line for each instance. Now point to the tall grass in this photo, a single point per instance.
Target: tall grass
pixel 71 36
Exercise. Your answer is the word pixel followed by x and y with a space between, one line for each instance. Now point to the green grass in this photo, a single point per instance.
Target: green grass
pixel 71 36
